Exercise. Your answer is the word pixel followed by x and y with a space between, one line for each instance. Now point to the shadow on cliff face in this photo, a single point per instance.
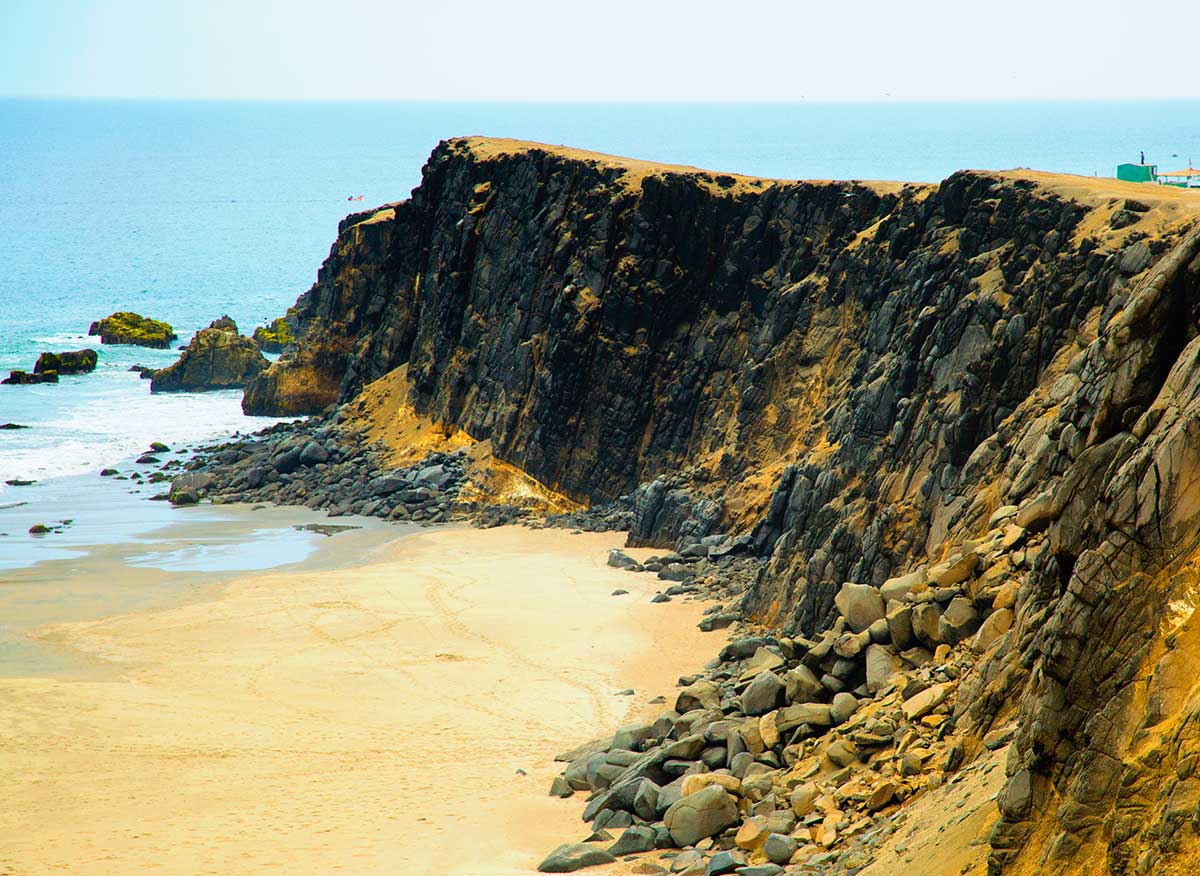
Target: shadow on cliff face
pixel 861 375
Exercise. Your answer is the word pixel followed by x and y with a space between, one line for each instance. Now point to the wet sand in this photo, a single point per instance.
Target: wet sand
pixel 356 719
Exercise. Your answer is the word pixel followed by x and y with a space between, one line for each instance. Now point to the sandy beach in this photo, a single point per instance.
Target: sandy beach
pixel 367 719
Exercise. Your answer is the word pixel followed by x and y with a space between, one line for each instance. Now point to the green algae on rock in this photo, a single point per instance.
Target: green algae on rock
pixel 73 362
pixel 273 337
pixel 126 327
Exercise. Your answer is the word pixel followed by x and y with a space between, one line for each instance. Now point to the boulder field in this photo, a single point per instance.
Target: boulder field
pixel 945 434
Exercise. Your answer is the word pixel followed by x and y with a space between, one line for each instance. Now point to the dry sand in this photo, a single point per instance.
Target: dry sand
pixel 364 720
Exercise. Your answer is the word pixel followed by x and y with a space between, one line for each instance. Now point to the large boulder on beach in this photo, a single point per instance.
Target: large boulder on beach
pixel 126 327
pixel 574 856
pixel 702 814
pixel 217 358
pixel 73 362
pixel 190 488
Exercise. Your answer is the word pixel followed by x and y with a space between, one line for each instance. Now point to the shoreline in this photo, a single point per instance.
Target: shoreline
pixel 363 718
pixel 124 553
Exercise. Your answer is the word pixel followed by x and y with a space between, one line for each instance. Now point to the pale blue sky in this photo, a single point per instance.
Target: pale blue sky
pixel 622 50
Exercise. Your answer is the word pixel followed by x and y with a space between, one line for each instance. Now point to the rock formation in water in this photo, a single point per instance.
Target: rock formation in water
pixel 125 327
pixel 987 386
pixel 217 358
pixel 21 378
pixel 74 362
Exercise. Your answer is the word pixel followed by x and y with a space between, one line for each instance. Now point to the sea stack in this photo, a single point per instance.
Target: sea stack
pixel 126 327
pixel 216 358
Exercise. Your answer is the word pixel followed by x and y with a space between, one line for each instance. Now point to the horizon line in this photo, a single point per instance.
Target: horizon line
pixel 794 102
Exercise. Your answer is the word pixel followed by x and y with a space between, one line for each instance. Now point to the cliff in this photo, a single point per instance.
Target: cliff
pixel 866 375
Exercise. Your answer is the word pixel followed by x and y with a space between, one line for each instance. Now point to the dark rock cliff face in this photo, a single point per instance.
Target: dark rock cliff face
pixel 848 346
pixel 861 373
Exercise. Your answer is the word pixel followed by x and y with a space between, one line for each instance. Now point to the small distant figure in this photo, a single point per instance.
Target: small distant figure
pixel 1143 156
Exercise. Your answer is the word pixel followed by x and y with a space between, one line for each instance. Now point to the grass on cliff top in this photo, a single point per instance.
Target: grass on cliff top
pixel 1092 191
pixel 634 170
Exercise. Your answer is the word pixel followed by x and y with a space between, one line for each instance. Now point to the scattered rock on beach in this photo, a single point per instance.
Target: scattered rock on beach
pixel 574 856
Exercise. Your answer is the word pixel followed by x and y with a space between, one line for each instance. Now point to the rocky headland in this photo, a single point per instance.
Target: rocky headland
pixel 929 445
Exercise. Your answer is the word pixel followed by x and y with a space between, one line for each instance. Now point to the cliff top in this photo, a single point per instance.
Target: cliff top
pixel 634 170
pixel 1166 205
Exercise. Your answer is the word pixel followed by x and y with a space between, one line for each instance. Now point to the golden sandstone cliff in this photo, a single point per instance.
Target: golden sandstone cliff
pixel 986 389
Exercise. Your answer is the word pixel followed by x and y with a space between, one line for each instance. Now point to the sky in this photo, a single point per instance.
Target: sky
pixel 578 50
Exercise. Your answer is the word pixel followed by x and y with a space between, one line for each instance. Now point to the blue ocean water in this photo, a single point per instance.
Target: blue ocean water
pixel 184 211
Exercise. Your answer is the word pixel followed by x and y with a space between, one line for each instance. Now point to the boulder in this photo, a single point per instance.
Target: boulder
pixel 125 327
pixel 804 799
pixel 697 782
pixel 995 626
pixel 74 362
pixel 763 694
pixel 841 752
pixel 802 685
pixel 618 559
pixel 1036 515
pixel 958 621
pixel 779 848
pixel 843 706
pixel 190 488
pixel 884 794
pixel 813 714
pixel 696 816
pixel 954 570
pixel 570 857
pixel 921 704
pixel 925 618
pixel 288 461
pixel 900 627
pixel 753 833
pixel 215 359
pixel 20 378
pixel 273 337
pixel 723 862
pixel 635 839
pixel 313 453
pixel 702 694
pixel 860 604
pixel 882 664
pixel 899 587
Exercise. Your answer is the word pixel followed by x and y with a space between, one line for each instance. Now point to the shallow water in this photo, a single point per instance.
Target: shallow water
pixel 122 552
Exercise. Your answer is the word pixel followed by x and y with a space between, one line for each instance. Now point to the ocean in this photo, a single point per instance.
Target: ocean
pixel 185 211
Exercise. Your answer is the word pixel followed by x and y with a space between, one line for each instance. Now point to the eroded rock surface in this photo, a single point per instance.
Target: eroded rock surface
pixel 978 399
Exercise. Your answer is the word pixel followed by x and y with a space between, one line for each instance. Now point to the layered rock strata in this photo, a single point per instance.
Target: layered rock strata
pixel 985 387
